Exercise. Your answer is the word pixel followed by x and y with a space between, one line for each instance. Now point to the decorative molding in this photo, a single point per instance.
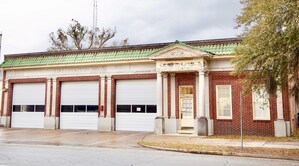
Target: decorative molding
pixel 179 65
pixel 178 51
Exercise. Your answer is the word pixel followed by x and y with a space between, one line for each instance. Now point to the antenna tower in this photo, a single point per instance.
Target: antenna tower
pixel 95 15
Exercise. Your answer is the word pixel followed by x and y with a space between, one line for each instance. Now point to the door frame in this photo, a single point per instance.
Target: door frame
pixel 181 96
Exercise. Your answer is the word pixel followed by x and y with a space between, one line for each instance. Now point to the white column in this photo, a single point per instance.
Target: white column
pixel 5 98
pixel 201 97
pixel 108 96
pixel 102 95
pixel 48 97
pixel 165 94
pixel 207 97
pixel 279 104
pixel 54 96
pixel 159 94
pixel 172 100
pixel 5 120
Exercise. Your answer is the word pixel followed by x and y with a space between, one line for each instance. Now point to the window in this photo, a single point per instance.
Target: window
pixel 16 108
pixel 138 108
pixel 151 109
pixel 27 108
pixel 39 108
pixel 223 102
pixel 80 108
pixel 123 108
pixel 260 104
pixel 92 108
pixel 66 108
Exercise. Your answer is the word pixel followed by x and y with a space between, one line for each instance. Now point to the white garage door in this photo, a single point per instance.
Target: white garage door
pixel 28 105
pixel 79 105
pixel 136 105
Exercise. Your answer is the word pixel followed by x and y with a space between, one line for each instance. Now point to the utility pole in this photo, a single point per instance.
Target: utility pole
pixel 241 120
pixel 0 45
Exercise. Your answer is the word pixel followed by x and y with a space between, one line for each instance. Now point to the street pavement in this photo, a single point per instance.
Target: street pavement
pixel 45 155
pixel 119 139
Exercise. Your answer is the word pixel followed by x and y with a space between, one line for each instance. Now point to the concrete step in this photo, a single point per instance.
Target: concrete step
pixel 186 131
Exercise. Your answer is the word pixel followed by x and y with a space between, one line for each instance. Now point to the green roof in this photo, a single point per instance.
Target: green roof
pixel 129 55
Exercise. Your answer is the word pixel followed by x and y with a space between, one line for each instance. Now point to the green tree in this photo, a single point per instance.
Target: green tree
pixel 79 37
pixel 270 46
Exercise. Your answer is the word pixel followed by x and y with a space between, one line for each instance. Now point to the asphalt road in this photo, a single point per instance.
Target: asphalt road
pixel 39 155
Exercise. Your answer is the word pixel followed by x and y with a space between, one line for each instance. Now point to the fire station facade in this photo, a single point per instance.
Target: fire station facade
pixel 166 88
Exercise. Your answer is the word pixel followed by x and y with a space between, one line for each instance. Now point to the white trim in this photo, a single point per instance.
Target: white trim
pixel 231 110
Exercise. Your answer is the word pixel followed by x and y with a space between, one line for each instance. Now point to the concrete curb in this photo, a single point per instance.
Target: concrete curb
pixel 223 153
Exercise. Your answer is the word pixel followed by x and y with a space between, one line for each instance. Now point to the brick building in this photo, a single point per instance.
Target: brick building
pixel 181 87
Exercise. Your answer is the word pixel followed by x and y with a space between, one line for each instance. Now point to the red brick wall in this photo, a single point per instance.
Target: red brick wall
pixel 250 126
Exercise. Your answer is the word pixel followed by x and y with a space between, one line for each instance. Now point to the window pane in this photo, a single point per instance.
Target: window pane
pixel 224 101
pixel 39 108
pixel 92 108
pixel 66 108
pixel 138 108
pixel 27 108
pixel 16 108
pixel 80 108
pixel 151 109
pixel 123 108
pixel 261 104
pixel 186 90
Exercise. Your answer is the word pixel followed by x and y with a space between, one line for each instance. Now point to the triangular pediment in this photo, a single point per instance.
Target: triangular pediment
pixel 178 51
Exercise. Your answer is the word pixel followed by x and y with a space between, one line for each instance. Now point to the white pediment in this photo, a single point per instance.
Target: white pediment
pixel 178 51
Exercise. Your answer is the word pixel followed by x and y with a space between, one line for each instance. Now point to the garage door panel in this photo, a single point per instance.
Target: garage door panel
pixel 135 122
pixel 29 94
pixel 28 102
pixel 131 94
pixel 81 93
pixel 79 121
pixel 27 120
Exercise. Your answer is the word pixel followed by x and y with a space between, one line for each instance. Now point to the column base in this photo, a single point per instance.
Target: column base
pixel 5 121
pixel 210 126
pixel 49 122
pixel 202 126
pixel 106 124
pixel 280 128
pixel 159 126
pixel 171 125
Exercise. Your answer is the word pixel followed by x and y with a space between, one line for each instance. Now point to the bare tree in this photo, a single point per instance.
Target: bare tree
pixel 79 37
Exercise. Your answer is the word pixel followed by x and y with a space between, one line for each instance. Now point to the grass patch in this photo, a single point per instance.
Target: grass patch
pixel 225 149
pixel 292 138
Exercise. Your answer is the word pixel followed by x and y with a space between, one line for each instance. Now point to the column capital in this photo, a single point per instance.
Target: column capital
pixel 109 76
pixel 172 74
pixel 164 75
pixel 102 77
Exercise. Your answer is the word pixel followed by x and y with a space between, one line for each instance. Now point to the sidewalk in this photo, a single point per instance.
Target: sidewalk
pixel 182 139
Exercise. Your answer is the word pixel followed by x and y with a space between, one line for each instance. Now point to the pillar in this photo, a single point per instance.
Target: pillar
pixel 5 119
pixel 106 123
pixel 280 126
pixel 54 96
pixel 165 95
pixel 159 120
pixel 49 122
pixel 171 124
pixel 201 120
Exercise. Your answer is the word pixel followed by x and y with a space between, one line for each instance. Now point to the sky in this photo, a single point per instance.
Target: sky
pixel 26 24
